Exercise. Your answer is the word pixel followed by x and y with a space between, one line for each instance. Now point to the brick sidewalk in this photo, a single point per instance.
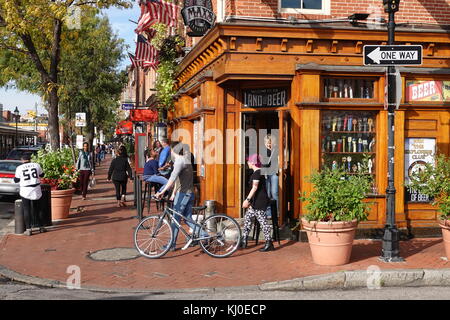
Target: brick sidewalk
pixel 104 226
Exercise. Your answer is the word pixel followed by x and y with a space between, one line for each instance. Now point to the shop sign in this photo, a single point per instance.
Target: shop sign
pixel 80 139
pixel 265 98
pixel 198 15
pixel 124 127
pixel 80 119
pixel 425 91
pixel 418 152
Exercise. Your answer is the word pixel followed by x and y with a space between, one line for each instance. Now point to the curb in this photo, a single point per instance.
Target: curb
pixel 371 279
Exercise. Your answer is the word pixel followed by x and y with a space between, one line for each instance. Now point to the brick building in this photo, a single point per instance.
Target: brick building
pixel 294 68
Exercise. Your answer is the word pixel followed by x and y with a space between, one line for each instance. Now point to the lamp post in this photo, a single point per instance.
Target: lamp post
pixel 391 236
pixel 16 117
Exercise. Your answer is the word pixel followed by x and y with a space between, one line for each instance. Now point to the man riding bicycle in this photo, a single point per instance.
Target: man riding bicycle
pixel 184 199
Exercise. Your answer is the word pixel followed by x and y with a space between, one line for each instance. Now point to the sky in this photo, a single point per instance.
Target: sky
pixel 119 19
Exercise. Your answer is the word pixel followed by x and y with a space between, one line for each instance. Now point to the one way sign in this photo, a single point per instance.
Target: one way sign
pixel 392 55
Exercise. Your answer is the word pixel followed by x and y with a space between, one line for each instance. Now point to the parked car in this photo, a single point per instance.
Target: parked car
pixel 17 153
pixel 7 173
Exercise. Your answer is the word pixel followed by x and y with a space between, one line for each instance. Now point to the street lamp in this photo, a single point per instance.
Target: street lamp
pixel 16 117
pixel 391 236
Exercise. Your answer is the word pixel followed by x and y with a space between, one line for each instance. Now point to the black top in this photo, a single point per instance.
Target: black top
pixel 260 200
pixel 119 168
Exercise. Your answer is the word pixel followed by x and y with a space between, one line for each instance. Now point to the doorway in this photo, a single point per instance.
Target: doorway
pixel 257 128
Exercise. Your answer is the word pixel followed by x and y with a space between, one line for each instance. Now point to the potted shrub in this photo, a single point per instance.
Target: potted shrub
pixel 334 208
pixel 61 175
pixel 433 180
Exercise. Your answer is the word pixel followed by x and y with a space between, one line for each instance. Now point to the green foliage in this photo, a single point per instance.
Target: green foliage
pixel 58 168
pixel 129 145
pixel 337 196
pixel 167 68
pixel 434 181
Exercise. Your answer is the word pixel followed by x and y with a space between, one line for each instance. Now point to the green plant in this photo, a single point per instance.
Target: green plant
pixel 58 167
pixel 434 180
pixel 337 196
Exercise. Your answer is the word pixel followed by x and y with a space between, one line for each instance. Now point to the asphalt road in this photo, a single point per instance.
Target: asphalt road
pixel 17 291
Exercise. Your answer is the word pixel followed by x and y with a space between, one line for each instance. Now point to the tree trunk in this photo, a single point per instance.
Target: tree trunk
pixel 53 120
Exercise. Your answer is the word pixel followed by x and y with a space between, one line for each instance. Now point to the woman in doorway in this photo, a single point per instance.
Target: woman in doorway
pixel 157 147
pixel 270 170
pixel 120 171
pixel 85 165
pixel 256 204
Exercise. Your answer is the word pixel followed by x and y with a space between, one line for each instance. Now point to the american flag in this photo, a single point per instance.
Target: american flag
pixel 157 11
pixel 146 53
pixel 134 63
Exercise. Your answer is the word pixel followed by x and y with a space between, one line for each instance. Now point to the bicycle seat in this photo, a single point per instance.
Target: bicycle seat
pixel 199 208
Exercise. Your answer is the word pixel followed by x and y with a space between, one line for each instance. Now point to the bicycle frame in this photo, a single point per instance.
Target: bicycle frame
pixel 170 212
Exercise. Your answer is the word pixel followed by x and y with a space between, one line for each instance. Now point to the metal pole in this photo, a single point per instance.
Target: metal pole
pixel 17 141
pixel 391 244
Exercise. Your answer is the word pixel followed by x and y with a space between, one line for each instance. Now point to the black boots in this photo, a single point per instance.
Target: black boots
pixel 243 243
pixel 268 246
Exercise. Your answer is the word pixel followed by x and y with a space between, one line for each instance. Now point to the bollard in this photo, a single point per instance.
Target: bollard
pixel 138 196
pixel 45 206
pixel 209 211
pixel 19 222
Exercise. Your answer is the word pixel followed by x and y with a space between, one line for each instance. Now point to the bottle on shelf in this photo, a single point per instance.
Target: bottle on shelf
pixel 339 145
pixel 341 88
pixel 370 124
pixel 349 163
pixel 325 88
pixel 350 88
pixel 339 123
pixel 365 124
pixel 344 143
pixel 330 88
pixel 360 145
pixel 360 124
pixel 349 123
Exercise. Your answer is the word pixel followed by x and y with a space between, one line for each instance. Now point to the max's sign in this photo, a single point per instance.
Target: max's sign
pixel 198 15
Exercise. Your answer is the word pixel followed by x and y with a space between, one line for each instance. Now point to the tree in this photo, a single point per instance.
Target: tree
pixel 90 79
pixel 31 32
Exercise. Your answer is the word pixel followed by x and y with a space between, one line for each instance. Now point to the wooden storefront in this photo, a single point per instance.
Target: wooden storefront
pixel 328 97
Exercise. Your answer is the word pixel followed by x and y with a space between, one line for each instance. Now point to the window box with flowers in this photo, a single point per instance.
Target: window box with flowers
pixel 61 175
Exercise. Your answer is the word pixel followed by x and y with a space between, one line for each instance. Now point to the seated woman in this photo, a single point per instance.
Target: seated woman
pixel 151 173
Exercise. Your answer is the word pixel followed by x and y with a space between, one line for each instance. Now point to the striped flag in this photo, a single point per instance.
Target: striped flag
pixel 157 11
pixel 146 53
pixel 134 63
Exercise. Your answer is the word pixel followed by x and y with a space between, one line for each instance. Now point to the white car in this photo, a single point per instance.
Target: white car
pixel 7 173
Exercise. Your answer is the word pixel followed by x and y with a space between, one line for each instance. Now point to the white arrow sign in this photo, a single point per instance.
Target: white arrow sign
pixel 392 55
pixel 378 55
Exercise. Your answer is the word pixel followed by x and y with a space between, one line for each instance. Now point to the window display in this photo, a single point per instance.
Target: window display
pixel 348 141
pixel 348 88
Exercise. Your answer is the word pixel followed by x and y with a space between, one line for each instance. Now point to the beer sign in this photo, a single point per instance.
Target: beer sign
pixel 265 98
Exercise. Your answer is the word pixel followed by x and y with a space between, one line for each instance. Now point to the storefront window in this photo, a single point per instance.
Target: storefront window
pixel 348 141
pixel 348 88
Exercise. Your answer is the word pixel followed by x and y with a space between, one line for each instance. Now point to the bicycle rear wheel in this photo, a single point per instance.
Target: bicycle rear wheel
pixel 153 241
pixel 225 236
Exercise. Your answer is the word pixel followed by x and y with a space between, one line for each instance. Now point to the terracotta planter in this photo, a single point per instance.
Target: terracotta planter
pixel 445 225
pixel 330 243
pixel 61 200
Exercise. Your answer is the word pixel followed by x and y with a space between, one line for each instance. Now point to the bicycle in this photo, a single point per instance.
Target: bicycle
pixel 153 236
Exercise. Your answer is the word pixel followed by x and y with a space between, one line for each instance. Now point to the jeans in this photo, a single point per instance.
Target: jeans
pixel 156 179
pixel 272 190
pixel 121 188
pixel 84 181
pixel 183 204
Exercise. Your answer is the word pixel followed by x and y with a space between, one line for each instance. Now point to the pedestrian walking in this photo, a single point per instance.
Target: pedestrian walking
pixel 102 151
pixel 28 176
pixel 85 165
pixel 256 204
pixel 120 171
pixel 184 198
pixel 98 151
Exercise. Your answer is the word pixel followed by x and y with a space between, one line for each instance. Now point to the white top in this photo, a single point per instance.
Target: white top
pixel 30 183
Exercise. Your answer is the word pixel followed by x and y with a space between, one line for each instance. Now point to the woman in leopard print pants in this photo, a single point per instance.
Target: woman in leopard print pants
pixel 256 204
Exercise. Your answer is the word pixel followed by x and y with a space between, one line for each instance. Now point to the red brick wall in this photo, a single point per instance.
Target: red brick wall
pixel 412 11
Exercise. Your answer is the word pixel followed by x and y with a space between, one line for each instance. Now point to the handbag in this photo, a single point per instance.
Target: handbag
pixel 92 183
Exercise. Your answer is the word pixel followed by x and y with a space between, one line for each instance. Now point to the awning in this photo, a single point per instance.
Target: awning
pixel 124 127
pixel 143 115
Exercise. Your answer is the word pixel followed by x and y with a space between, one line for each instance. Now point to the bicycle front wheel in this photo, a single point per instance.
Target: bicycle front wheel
pixel 224 233
pixel 153 237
